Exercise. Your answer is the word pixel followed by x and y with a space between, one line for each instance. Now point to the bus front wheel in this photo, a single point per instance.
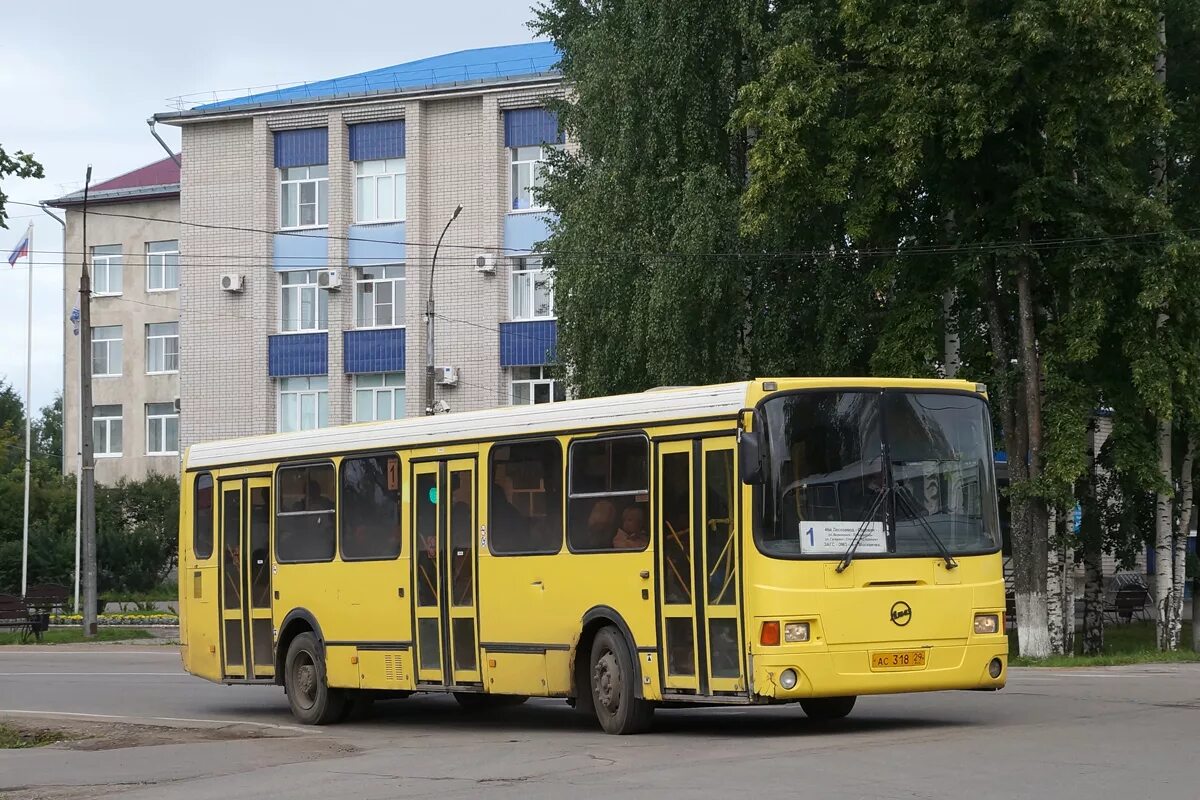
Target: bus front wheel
pixel 827 708
pixel 614 686
pixel 308 692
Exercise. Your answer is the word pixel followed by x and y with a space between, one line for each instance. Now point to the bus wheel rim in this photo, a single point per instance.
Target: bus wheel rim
pixel 305 673
pixel 607 681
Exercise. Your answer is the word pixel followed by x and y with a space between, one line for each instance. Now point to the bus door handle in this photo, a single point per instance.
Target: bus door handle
pixel 645 574
pixel 538 584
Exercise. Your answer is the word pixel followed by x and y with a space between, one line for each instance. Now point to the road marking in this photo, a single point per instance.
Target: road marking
pixel 33 650
pixel 135 719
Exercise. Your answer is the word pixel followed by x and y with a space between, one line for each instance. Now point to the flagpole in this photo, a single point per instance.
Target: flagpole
pixel 28 406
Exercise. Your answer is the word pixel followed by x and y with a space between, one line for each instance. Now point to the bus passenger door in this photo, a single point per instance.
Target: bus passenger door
pixel 257 566
pixel 247 639
pixel 699 567
pixel 444 514
pixel 232 622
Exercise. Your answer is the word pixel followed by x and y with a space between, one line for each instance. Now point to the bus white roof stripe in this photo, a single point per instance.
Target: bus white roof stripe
pixel 630 409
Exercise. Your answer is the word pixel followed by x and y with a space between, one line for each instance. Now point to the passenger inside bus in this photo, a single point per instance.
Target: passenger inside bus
pixel 632 533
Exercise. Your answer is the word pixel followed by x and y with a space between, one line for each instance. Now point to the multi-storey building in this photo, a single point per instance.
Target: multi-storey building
pixel 133 248
pixel 310 221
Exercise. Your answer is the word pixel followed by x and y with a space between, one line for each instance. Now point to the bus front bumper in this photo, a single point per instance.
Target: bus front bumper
pixel 841 672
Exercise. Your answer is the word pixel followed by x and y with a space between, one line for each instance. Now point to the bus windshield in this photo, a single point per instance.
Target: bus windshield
pixel 906 473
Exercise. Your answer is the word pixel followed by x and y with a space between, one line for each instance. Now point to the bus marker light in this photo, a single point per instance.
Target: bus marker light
pixel 987 623
pixel 770 634
pixel 788 678
pixel 795 632
pixel 353 659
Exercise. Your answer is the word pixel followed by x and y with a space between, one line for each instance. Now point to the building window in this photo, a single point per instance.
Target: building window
pixel 378 397
pixel 533 385
pixel 106 269
pixel 304 196
pixel 528 174
pixel 106 351
pixel 162 347
pixel 380 190
pixel 162 266
pixel 380 295
pixel 303 404
pixel 305 307
pixel 162 429
pixel 532 288
pixel 106 431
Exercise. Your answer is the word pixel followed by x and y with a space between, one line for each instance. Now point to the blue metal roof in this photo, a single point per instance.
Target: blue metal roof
pixel 465 66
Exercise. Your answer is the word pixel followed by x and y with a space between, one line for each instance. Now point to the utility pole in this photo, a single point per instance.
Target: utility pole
pixel 429 318
pixel 87 460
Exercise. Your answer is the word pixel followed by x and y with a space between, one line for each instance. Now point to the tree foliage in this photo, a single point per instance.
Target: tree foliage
pixel 20 164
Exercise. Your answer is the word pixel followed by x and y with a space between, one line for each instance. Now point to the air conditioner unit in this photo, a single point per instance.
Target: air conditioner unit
pixel 485 262
pixel 176 405
pixel 446 376
pixel 329 279
pixel 231 282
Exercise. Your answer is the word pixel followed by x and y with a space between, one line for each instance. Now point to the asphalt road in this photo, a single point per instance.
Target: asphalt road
pixel 1095 733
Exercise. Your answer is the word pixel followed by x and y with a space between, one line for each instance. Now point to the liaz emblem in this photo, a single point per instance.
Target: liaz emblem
pixel 901 613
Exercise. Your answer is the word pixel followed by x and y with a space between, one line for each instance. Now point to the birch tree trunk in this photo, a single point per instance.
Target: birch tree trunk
pixel 1054 587
pixel 1164 552
pixel 1029 559
pixel 951 339
pixel 1093 554
pixel 1179 554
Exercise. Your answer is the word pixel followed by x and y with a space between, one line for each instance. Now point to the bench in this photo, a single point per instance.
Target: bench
pixel 14 616
pixel 42 600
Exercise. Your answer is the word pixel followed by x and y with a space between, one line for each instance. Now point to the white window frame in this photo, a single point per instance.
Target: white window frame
pixel 162 420
pixel 398 283
pixel 321 188
pixel 156 263
pixel 108 261
pixel 537 170
pixel 107 421
pixel 290 386
pixel 320 297
pixel 522 283
pixel 398 381
pixel 542 379
pixel 150 338
pixel 394 170
pixel 108 351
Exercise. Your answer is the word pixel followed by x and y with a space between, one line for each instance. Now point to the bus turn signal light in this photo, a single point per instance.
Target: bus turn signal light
pixel 987 623
pixel 770 634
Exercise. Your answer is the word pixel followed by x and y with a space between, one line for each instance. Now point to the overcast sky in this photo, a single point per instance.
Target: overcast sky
pixel 79 79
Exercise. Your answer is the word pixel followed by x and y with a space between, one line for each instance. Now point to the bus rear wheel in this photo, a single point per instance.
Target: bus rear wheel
pixel 827 708
pixel 308 692
pixel 614 686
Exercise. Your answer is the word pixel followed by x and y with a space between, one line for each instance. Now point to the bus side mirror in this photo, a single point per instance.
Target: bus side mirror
pixel 750 457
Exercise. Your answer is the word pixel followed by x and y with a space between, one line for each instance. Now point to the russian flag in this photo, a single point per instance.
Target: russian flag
pixel 20 251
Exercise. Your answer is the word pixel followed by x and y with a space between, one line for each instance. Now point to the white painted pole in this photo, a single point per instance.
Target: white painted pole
pixel 28 408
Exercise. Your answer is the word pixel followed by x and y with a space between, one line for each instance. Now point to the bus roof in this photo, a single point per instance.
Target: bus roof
pixel 645 408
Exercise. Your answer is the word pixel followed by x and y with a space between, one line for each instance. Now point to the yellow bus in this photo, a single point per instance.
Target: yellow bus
pixel 770 541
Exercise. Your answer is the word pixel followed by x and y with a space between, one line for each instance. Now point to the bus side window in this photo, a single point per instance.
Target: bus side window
pixel 305 527
pixel 525 498
pixel 608 506
pixel 370 527
pixel 202 517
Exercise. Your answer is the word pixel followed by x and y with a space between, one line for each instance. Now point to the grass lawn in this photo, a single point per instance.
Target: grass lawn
pixel 1123 644
pixel 75 636
pixel 11 738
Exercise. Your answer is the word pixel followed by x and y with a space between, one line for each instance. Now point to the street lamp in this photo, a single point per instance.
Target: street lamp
pixel 429 318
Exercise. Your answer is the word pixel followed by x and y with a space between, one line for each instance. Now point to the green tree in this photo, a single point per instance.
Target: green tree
pixel 48 433
pixel 137 525
pixel 20 164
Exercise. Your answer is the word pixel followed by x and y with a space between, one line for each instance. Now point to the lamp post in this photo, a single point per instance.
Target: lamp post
pixel 429 318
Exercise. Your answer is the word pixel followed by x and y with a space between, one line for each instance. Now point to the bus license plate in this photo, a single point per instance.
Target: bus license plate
pixel 898 659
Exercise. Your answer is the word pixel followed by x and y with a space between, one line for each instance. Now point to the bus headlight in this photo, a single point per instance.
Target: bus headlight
pixel 987 623
pixel 795 632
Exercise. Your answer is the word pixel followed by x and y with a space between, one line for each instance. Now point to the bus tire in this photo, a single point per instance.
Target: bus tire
pixel 613 686
pixel 827 708
pixel 308 692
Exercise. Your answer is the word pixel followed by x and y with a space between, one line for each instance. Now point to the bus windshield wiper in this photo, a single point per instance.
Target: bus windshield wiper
pixel 848 556
pixel 909 502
